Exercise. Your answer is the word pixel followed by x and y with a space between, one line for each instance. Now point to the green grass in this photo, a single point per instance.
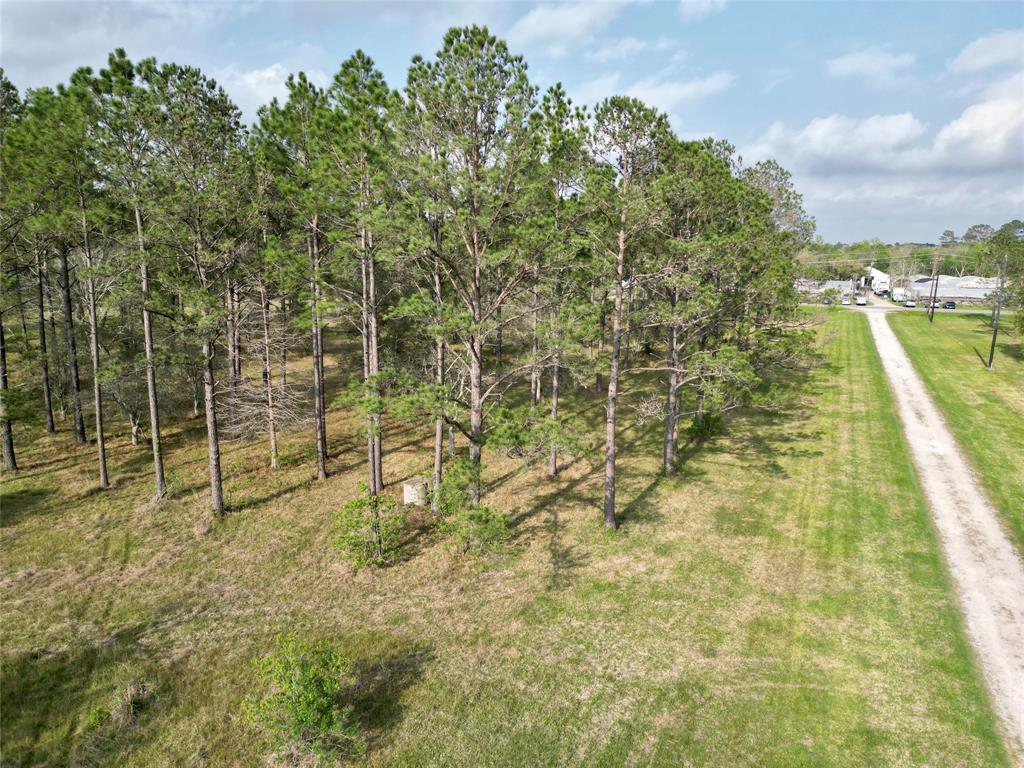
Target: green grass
pixel 780 603
pixel 983 408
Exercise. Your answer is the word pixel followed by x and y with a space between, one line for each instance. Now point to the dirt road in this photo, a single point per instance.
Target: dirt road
pixel 987 570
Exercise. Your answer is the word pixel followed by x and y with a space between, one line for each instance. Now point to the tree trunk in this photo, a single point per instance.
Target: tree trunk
pixel 553 462
pixel 10 461
pixel 151 391
pixel 435 507
pixel 55 351
pixel 476 377
pixel 282 355
pixel 268 382
pixel 97 391
pixel 671 399
pixel 613 383
pixel 602 326
pixel 231 326
pixel 671 407
pixel 535 371
pixel 318 370
pixel 476 412
pixel 364 337
pixel 69 332
pixel 236 339
pixel 94 350
pixel 44 361
pixel 212 436
pixel 498 341
pixel 21 308
pixel 374 345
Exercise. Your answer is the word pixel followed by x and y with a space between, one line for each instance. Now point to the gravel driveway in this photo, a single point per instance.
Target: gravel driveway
pixel 986 569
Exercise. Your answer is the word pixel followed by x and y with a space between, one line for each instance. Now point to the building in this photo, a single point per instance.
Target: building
pixel 967 289
pixel 877 280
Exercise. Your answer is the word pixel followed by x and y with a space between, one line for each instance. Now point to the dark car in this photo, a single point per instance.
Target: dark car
pixel 949 305
pixel 884 294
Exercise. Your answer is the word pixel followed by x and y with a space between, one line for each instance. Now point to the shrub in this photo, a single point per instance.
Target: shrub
pixel 303 704
pixel 476 528
pixel 473 527
pixel 368 529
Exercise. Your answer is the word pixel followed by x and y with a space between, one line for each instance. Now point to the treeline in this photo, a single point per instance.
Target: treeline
pixel 473 235
pixel 978 252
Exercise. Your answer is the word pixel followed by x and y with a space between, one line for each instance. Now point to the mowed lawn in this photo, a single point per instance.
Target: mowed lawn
pixel 983 408
pixel 781 602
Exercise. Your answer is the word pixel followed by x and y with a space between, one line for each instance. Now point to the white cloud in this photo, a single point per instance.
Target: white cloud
pixel 555 27
pixel 872 63
pixel 44 42
pixel 252 88
pixel 693 10
pixel 989 135
pixel 618 49
pixel 1008 87
pixel 669 94
pixel 659 91
pixel 893 177
pixel 908 207
pixel 838 143
pixel 989 51
pixel 590 92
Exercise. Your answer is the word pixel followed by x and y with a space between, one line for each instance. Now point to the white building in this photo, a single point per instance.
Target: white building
pixel 969 288
pixel 878 280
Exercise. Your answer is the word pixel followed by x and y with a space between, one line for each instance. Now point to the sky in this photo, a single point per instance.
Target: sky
pixel 897 120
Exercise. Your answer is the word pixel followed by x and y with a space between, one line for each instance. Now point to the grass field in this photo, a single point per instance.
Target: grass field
pixel 983 408
pixel 781 603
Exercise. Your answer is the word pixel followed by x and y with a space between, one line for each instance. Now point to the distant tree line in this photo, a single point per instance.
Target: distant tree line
pixel 977 252
pixel 472 237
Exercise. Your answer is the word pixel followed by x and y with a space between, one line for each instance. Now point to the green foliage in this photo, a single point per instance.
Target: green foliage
pixel 368 529
pixel 304 685
pixel 531 434
pixel 473 528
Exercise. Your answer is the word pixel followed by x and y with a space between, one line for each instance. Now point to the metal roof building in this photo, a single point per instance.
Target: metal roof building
pixel 951 287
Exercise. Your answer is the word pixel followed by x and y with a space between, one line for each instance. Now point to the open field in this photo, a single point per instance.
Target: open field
pixel 780 603
pixel 983 408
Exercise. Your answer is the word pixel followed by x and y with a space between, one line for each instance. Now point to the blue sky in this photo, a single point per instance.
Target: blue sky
pixel 898 120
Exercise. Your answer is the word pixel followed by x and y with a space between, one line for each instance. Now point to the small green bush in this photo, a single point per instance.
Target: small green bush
pixel 368 529
pixel 476 528
pixel 473 527
pixel 303 704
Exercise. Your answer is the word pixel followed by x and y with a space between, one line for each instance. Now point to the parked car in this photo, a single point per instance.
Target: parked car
pixel 846 301
pixel 884 294
pixel 910 303
pixel 949 305
pixel 826 301
pixel 862 301
pixel 934 304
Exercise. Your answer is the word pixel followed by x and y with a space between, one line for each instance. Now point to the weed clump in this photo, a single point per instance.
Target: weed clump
pixel 368 529
pixel 303 703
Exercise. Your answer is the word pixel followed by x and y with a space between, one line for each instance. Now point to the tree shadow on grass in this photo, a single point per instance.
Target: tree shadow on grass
pixel 1013 351
pixel 641 508
pixel 376 697
pixel 18 505
pixel 50 697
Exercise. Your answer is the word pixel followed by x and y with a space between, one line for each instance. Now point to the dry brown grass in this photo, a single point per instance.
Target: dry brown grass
pixel 761 608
